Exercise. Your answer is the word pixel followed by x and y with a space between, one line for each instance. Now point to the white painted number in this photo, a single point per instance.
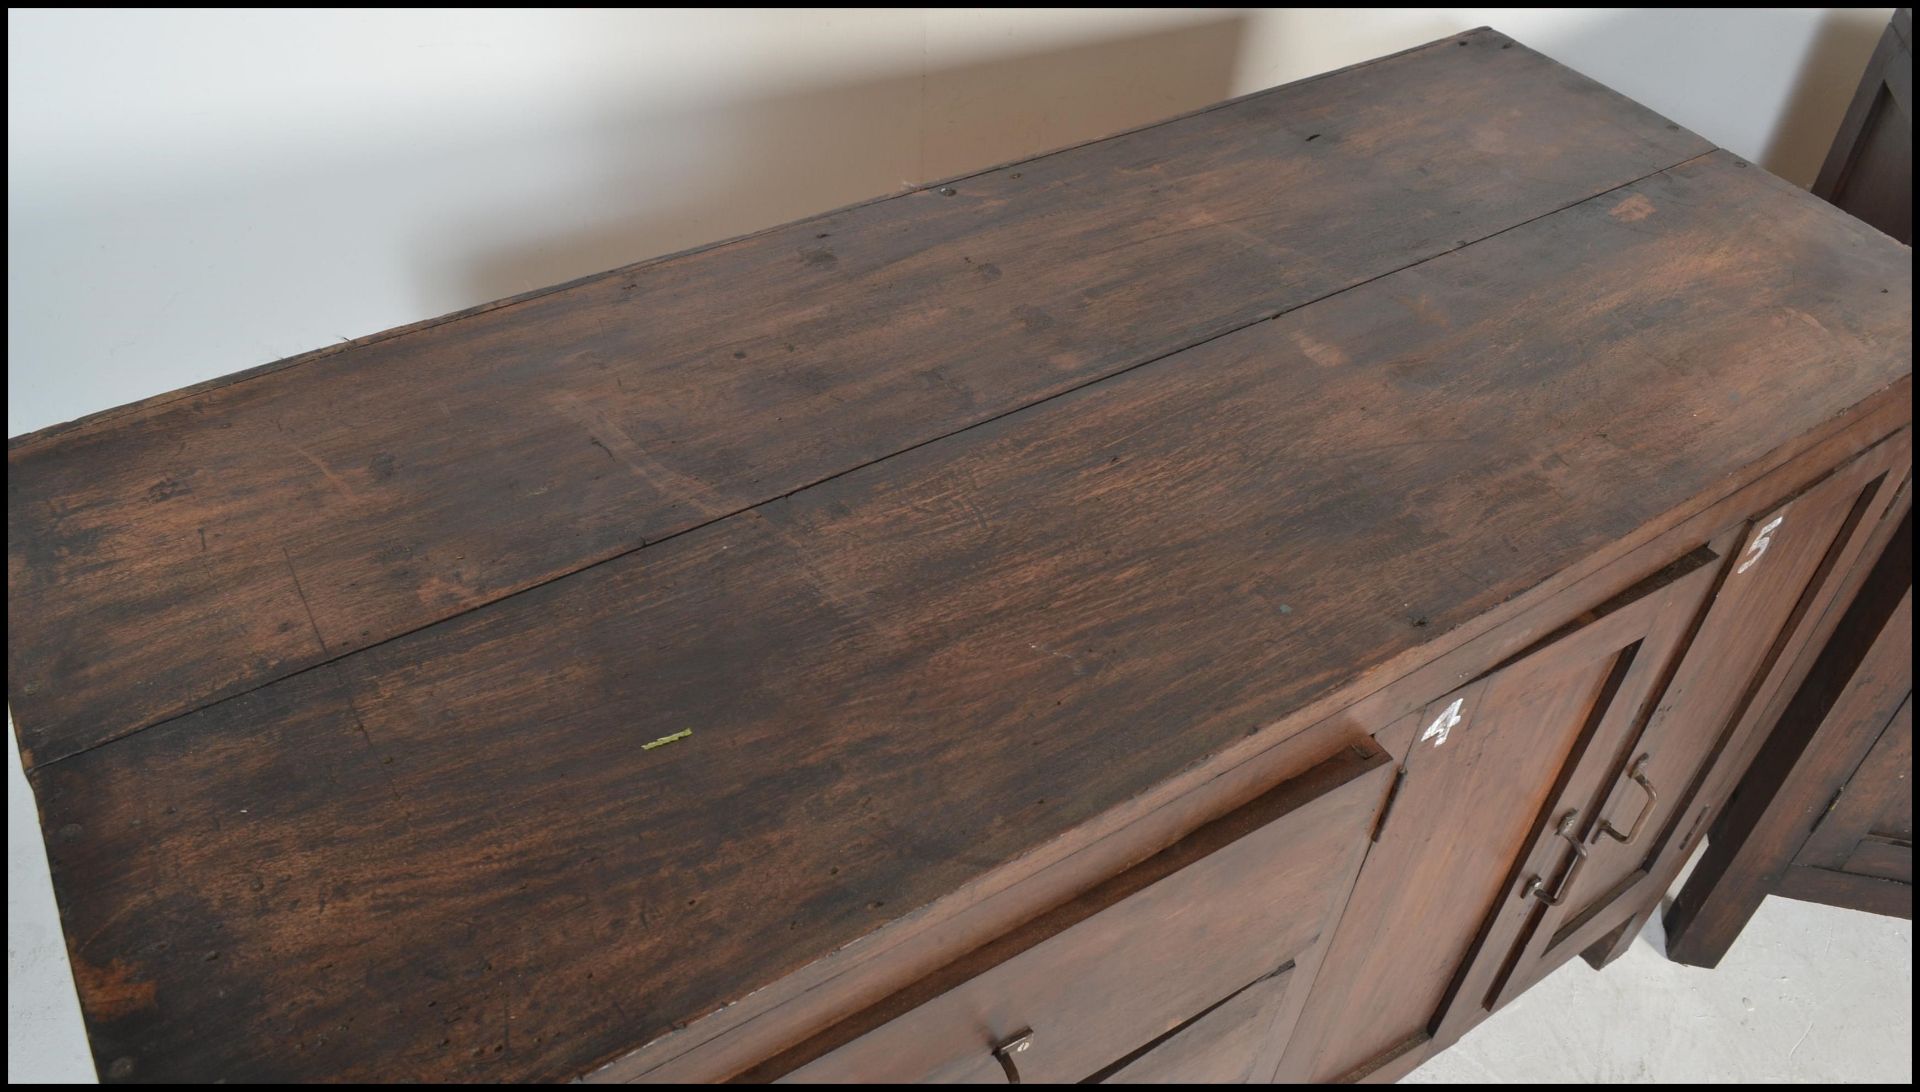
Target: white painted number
pixel 1759 544
pixel 1437 731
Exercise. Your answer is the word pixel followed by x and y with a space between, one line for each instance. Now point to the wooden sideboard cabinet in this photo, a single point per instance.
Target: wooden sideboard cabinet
pixel 1239 600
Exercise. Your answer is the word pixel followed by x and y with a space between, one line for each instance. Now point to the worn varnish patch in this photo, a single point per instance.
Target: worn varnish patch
pixel 112 992
pixel 199 546
pixel 448 857
pixel 1633 207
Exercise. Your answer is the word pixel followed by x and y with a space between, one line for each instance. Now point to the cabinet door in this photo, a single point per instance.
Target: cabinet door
pixel 1182 967
pixel 1482 766
pixel 1608 849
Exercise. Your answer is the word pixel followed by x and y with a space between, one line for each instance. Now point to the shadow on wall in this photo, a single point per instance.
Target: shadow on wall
pixel 733 168
pixel 1821 91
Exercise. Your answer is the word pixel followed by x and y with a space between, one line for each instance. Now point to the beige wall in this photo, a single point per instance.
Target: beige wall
pixel 192 193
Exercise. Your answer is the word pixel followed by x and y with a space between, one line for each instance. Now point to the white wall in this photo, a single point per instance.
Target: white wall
pixel 191 193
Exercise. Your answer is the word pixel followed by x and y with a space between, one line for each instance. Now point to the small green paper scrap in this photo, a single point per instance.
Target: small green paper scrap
pixel 664 740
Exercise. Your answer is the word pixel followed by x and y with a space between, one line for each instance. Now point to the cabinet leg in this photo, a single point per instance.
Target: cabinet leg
pixel 1615 944
pixel 1712 907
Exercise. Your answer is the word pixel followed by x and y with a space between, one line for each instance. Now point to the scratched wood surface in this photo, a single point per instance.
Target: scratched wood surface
pixel 201 545
pixel 450 857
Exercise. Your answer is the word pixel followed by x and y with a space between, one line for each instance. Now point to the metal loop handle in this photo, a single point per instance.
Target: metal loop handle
pixel 1017 1043
pixel 1535 885
pixel 1639 775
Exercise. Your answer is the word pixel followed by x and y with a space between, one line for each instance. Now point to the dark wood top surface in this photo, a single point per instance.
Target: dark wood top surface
pixel 965 519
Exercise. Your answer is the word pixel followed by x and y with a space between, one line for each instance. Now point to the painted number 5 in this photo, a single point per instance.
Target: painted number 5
pixel 1759 544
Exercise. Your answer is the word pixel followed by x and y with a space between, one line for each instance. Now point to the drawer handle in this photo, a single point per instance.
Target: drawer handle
pixel 1535 887
pixel 1639 774
pixel 1017 1044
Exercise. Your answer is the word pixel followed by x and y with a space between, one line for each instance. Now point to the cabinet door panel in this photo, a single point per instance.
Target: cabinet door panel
pixel 1483 765
pixel 1646 809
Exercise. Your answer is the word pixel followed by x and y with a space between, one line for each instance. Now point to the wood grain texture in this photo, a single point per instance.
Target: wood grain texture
pixel 202 545
pixel 449 857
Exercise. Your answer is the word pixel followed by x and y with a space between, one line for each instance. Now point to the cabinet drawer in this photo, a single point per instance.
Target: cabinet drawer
pixel 1207 928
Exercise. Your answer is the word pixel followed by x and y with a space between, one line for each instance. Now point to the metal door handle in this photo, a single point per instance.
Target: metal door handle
pixel 1639 774
pixel 1535 885
pixel 1017 1043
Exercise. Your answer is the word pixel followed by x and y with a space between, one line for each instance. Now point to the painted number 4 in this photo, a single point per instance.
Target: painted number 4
pixel 1760 543
pixel 1442 724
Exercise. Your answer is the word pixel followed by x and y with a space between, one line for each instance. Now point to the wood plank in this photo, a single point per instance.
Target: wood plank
pixel 1044 617
pixel 1889 898
pixel 200 545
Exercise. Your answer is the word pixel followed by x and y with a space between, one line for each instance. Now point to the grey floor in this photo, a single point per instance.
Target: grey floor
pixel 1810 993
